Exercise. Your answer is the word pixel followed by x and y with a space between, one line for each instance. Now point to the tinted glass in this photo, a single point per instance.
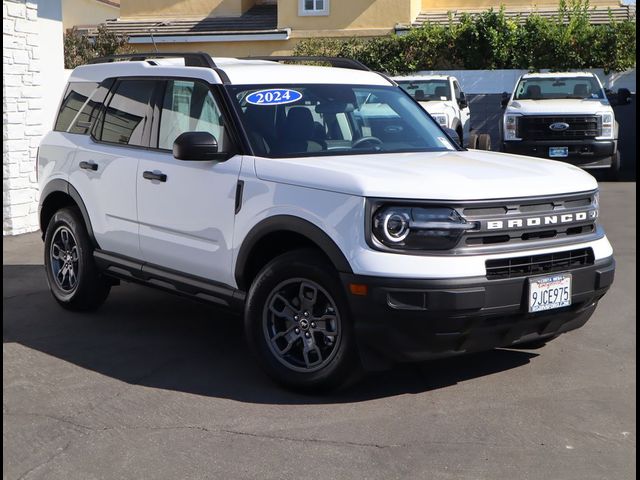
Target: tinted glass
pixel 79 107
pixel 563 87
pixel 456 90
pixel 427 90
pixel 126 115
pixel 335 120
pixel 189 106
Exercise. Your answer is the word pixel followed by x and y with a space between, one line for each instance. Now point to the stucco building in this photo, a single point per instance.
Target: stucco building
pixel 267 27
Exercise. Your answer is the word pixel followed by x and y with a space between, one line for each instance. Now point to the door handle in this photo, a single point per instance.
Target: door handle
pixel 155 176
pixel 89 166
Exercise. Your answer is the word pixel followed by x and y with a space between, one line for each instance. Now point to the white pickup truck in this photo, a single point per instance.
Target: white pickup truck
pixel 442 97
pixel 563 116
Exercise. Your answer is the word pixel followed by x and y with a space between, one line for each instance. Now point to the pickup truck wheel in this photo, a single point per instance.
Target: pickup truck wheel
pixel 484 141
pixel 473 141
pixel 613 174
pixel 297 323
pixel 74 279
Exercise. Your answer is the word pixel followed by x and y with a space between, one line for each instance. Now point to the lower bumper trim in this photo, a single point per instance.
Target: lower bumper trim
pixel 409 320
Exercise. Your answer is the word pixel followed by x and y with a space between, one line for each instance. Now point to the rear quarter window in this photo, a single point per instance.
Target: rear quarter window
pixel 80 106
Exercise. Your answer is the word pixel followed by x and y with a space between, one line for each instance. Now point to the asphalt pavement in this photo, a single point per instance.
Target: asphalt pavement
pixel 154 386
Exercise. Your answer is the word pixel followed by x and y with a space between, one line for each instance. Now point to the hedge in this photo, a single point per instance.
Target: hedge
pixel 491 40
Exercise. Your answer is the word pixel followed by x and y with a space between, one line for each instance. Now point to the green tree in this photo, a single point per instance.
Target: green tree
pixel 80 48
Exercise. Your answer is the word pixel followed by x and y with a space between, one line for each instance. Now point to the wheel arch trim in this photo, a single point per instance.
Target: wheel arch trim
pixel 293 224
pixel 63 186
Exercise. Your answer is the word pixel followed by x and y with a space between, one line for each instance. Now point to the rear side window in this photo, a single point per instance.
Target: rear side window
pixel 80 104
pixel 125 117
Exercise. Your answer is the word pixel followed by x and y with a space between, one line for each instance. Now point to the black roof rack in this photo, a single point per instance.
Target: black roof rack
pixel 191 59
pixel 333 61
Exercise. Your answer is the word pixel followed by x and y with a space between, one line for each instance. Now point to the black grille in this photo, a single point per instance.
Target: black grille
pixel 538 264
pixel 537 128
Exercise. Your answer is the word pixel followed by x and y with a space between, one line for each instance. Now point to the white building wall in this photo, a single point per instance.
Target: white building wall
pixel 32 50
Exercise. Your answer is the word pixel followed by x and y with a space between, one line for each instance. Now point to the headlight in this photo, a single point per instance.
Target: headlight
pixel 511 126
pixel 606 119
pixel 418 228
pixel 441 118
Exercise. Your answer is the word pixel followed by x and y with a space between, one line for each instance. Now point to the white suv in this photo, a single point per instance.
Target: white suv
pixel 563 116
pixel 322 203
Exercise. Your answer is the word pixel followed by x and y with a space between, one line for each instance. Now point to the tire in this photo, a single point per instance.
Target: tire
pixel 484 141
pixel 473 141
pixel 613 173
pixel 309 353
pixel 533 344
pixel 74 279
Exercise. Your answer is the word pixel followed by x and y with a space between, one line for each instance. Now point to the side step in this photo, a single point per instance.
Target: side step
pixel 132 270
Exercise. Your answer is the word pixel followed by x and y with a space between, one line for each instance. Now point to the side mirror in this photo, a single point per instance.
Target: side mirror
pixel 452 134
pixel 462 102
pixel 197 146
pixel 505 100
pixel 624 96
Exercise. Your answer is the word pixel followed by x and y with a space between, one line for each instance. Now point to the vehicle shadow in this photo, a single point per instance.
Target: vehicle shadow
pixel 146 337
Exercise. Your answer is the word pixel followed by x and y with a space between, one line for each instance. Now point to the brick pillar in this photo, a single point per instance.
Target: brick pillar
pixel 22 127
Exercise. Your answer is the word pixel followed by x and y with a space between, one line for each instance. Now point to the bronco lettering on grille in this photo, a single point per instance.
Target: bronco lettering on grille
pixel 524 222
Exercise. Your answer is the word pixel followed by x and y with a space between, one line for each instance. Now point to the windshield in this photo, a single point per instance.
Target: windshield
pixel 427 90
pixel 305 120
pixel 538 88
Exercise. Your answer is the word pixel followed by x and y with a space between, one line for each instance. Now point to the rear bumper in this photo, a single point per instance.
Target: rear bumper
pixel 582 153
pixel 412 320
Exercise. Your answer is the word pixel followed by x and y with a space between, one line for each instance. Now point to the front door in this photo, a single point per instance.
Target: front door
pixel 186 209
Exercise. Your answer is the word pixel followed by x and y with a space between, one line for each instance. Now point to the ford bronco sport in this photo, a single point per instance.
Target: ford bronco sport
pixel 322 203
pixel 563 116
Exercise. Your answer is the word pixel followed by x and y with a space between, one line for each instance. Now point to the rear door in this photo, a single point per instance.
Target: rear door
pixel 187 218
pixel 106 165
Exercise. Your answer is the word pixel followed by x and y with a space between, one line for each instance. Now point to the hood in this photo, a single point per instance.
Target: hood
pixel 435 107
pixel 560 106
pixel 454 175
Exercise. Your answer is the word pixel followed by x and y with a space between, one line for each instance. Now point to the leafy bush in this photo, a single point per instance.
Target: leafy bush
pixel 80 48
pixel 491 40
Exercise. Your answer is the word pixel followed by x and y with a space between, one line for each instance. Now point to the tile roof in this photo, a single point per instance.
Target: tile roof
pixel 598 15
pixel 258 19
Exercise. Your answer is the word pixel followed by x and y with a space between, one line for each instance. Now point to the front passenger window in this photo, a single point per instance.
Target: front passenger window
pixel 189 106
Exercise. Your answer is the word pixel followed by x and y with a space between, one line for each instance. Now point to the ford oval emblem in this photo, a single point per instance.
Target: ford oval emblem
pixel 558 126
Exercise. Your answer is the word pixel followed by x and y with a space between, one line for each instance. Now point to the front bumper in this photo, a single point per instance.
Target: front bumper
pixel 411 320
pixel 586 153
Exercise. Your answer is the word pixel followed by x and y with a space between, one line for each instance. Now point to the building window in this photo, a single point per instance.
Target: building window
pixel 313 7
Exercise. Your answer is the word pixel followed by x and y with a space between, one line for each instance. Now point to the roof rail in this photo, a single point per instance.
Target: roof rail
pixel 333 61
pixel 191 59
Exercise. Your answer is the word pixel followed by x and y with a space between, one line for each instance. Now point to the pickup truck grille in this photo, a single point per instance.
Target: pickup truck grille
pixel 532 127
pixel 538 264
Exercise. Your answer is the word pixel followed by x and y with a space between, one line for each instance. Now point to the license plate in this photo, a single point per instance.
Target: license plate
pixel 558 151
pixel 547 293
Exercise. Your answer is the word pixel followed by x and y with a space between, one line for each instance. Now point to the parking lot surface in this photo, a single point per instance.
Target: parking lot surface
pixel 156 386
